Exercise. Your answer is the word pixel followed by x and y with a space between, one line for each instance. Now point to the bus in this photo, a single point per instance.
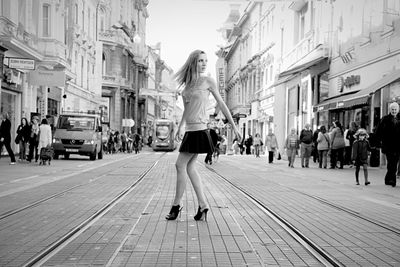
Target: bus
pixel 164 135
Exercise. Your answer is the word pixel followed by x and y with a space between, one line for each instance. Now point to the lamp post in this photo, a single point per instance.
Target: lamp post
pixel 136 103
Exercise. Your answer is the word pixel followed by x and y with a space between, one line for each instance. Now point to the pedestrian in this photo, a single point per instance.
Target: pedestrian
pixel 388 133
pixel 214 139
pixel 196 139
pixel 315 153
pixel 124 141
pixel 34 139
pixel 248 143
pixel 323 146
pixel 235 147
pixel 257 143
pixel 292 144
pixel 337 145
pixel 349 139
pixel 306 139
pixel 271 145
pixel 5 136
pixel 23 134
pixel 360 151
pixel 45 137
pixel 224 145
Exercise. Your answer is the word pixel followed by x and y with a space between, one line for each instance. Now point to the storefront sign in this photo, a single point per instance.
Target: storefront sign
pixel 47 78
pixel 21 63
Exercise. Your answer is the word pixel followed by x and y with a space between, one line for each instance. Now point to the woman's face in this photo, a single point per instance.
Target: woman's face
pixel 202 63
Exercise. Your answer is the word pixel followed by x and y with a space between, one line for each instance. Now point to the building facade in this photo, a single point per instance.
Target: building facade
pixel 297 62
pixel 73 56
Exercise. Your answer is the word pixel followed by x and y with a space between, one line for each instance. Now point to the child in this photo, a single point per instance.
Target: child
pixel 360 153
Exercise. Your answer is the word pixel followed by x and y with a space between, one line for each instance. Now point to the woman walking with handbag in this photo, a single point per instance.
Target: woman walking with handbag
pixel 196 139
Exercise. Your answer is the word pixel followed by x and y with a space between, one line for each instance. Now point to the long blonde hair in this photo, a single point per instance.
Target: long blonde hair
pixel 188 73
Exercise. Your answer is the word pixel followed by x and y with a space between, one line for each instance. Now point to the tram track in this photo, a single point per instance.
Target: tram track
pixel 347 210
pixel 52 249
pixel 33 204
pixel 319 253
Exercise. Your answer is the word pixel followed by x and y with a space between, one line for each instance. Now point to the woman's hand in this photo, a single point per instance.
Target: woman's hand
pixel 179 135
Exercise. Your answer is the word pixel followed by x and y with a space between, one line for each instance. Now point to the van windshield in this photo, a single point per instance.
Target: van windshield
pixel 76 123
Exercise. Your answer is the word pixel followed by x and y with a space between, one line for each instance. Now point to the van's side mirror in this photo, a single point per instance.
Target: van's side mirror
pixel 99 128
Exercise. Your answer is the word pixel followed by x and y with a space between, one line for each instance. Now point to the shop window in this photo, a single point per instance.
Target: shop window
pixel 52 107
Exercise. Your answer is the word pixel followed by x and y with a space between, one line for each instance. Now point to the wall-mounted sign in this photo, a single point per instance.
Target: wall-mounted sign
pixel 47 78
pixel 21 63
pixel 352 80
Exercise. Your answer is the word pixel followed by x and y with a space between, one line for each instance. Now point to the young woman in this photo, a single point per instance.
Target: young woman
pixel 196 139
pixel 23 133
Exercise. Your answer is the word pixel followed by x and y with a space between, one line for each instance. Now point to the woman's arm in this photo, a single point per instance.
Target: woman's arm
pixel 222 105
pixel 178 135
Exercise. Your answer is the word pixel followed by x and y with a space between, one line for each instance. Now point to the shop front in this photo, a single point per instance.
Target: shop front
pixel 365 106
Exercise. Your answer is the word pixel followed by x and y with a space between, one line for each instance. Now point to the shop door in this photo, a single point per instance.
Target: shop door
pixel 8 105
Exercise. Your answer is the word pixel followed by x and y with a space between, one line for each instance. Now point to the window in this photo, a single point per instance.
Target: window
pixel 103 69
pixel 391 12
pixel 82 67
pixel 87 75
pixel 46 20
pixel 76 13
pixel 88 23
pixel 21 11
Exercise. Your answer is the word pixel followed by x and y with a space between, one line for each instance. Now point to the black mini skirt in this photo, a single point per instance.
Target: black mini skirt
pixel 198 142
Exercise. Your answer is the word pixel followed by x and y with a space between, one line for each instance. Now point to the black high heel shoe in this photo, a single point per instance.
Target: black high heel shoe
pixel 174 212
pixel 201 214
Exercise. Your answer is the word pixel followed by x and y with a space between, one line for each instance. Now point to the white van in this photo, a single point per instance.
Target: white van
pixel 78 133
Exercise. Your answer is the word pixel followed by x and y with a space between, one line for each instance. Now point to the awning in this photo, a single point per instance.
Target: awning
pixel 357 98
pixel 300 67
pixel 339 101
pixel 282 80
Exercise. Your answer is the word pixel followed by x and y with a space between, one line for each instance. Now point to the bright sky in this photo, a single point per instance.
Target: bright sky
pixel 186 25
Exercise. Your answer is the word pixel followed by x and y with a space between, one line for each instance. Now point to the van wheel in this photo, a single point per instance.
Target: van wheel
pixel 55 156
pixel 93 155
pixel 100 155
pixel 66 156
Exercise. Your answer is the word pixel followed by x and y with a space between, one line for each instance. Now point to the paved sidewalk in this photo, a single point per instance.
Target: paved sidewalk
pixel 326 205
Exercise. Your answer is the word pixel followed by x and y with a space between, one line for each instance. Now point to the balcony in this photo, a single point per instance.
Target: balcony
pixel 52 48
pixel 300 50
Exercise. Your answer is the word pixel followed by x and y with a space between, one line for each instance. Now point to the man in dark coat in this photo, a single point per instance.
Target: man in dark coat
pixel 388 133
pixel 5 136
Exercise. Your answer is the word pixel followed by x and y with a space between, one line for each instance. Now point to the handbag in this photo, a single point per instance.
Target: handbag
pixel 17 139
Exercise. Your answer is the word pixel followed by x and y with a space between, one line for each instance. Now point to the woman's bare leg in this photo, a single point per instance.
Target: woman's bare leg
pixel 181 166
pixel 196 181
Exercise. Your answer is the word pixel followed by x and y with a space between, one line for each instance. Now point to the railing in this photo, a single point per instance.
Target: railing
pixel 302 48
